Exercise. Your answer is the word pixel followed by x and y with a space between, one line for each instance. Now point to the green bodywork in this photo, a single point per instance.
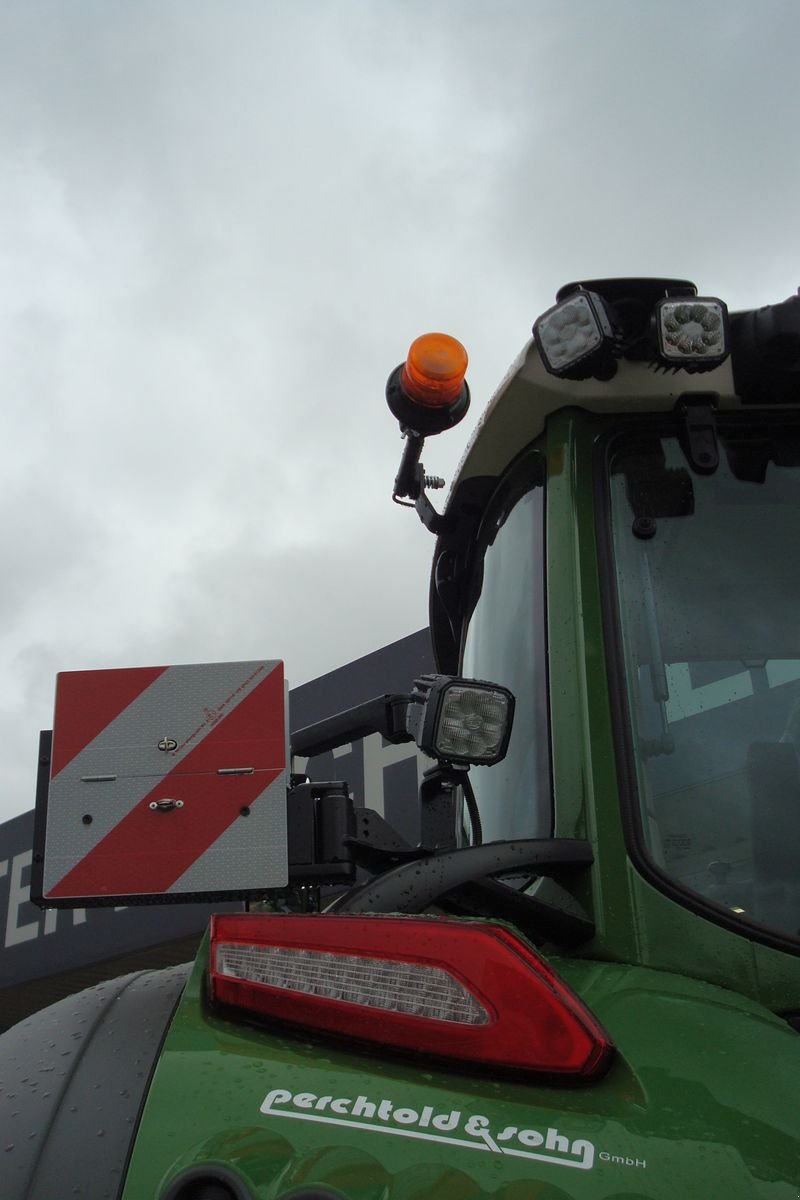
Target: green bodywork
pixel 701 1099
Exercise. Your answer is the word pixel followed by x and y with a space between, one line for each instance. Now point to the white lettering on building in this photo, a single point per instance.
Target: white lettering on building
pixel 17 930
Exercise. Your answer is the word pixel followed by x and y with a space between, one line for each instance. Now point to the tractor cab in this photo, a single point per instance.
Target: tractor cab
pixel 617 551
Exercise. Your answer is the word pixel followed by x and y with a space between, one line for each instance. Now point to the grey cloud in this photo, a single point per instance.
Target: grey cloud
pixel 317 603
pixel 221 227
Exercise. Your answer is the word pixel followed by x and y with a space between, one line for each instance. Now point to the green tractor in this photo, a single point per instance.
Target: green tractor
pixel 583 981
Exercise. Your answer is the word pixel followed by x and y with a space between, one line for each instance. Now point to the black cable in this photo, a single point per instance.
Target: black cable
pixel 472 809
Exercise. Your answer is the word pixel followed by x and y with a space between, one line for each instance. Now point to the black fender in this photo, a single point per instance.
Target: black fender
pixel 73 1079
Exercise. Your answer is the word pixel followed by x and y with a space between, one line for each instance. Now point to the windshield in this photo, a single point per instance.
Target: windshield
pixel 708 580
pixel 504 643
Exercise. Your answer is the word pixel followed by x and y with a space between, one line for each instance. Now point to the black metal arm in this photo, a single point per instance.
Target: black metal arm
pixel 383 714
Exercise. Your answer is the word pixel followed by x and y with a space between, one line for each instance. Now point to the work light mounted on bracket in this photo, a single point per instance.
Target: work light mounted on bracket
pixel 460 721
pixel 577 337
pixel 428 393
pixel 692 332
pixel 662 322
pixel 452 719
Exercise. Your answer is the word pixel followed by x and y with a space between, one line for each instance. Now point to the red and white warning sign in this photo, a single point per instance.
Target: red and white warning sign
pixel 167 781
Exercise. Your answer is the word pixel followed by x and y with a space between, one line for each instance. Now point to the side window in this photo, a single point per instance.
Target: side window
pixel 707 597
pixel 505 642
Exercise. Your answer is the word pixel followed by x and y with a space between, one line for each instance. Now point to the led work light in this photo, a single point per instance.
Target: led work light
pixel 576 338
pixel 460 721
pixel 692 333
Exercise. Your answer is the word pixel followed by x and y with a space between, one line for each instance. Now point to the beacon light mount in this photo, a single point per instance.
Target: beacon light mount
pixel 428 393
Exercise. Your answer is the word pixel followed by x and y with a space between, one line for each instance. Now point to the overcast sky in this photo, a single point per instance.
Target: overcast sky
pixel 221 225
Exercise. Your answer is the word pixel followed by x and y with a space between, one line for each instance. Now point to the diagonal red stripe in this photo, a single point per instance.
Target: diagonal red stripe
pixel 88 701
pixel 146 852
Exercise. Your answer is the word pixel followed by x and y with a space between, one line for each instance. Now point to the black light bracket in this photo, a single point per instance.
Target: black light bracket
pixel 411 481
pixel 329 837
pixel 377 846
pixel 320 822
pixel 629 304
pixel 416 423
pixel 419 418
pixel 697 431
pixel 385 715
pixel 438 796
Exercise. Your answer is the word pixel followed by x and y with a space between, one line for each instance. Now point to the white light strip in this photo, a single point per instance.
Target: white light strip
pixel 401 987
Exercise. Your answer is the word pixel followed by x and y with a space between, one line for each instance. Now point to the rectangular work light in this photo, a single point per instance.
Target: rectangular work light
pixel 692 332
pixel 576 338
pixel 460 721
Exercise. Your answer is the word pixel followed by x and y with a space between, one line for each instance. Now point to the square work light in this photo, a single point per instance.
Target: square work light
pixel 460 721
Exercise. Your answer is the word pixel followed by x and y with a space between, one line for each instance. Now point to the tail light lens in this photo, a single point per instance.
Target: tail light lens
pixel 465 990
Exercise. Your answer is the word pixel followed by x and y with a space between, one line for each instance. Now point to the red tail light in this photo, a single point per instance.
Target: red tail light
pixel 464 990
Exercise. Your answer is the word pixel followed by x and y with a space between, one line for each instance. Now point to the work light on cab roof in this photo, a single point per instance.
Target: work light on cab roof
pixel 665 323
pixel 576 338
pixel 694 334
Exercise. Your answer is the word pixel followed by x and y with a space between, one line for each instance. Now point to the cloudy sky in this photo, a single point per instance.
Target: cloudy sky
pixel 222 223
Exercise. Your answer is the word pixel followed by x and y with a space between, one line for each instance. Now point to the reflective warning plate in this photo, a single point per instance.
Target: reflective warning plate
pixel 165 783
